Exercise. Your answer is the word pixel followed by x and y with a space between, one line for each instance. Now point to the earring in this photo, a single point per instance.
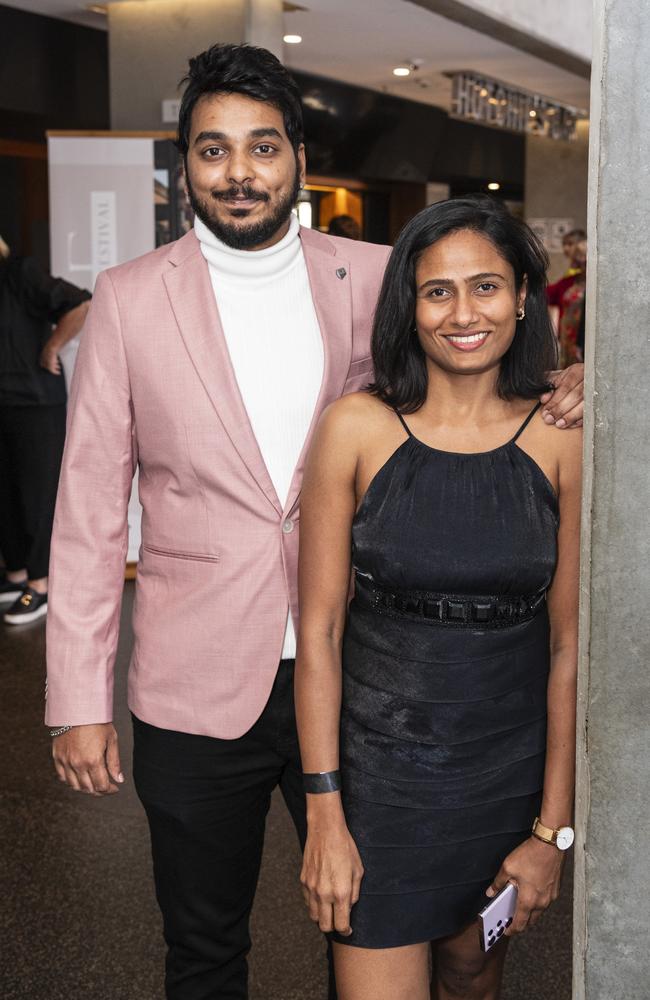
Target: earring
pixel 521 313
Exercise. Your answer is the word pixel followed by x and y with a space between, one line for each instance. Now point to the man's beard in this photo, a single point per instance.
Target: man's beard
pixel 245 237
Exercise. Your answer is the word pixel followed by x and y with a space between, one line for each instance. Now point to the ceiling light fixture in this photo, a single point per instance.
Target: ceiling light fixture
pixel 494 186
pixel 401 71
pixel 293 39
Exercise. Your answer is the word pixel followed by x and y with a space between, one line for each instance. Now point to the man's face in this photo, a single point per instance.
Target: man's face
pixel 241 171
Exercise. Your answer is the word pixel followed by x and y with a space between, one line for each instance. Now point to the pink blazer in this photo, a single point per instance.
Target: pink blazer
pixel 154 386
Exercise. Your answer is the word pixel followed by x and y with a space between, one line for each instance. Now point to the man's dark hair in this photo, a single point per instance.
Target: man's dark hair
pixel 399 361
pixel 575 235
pixel 241 69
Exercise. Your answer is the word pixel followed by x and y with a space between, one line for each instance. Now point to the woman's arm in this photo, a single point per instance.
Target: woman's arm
pixel 332 870
pixel 535 866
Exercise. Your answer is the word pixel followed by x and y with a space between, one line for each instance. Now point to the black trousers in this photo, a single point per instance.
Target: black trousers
pixel 206 801
pixel 31 447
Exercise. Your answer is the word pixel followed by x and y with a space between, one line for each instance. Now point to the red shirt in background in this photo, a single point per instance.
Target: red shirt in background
pixel 568 295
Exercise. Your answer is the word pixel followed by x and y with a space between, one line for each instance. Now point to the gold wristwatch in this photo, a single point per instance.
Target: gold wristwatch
pixel 561 838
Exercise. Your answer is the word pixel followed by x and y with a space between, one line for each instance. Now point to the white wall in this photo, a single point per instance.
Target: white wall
pixel 566 24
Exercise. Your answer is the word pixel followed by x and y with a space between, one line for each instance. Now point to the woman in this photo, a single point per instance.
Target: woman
pixel 568 296
pixel 458 508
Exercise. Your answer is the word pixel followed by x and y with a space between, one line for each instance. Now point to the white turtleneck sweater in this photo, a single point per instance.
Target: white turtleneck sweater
pixel 275 345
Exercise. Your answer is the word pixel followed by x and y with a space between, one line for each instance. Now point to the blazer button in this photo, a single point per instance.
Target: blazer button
pixel 287 526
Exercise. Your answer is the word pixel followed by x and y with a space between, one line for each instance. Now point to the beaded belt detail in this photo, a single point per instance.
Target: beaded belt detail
pixel 451 610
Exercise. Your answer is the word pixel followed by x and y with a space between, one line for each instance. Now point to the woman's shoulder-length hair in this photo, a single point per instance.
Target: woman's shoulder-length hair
pixel 399 361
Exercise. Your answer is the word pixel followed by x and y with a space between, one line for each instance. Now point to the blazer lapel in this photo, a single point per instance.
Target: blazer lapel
pixel 192 300
pixel 329 279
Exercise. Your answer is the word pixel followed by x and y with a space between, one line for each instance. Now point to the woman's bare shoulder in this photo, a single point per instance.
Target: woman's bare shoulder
pixel 564 441
pixel 563 446
pixel 357 413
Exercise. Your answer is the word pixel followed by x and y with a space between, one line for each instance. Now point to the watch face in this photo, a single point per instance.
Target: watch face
pixel 565 837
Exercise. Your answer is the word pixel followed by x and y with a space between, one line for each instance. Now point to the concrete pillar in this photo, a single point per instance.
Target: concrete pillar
pixel 150 42
pixel 556 186
pixel 612 897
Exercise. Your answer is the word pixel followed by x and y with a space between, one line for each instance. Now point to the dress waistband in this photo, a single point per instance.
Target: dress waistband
pixel 449 610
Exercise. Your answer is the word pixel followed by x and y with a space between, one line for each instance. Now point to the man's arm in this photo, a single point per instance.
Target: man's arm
pixel 68 327
pixel 89 546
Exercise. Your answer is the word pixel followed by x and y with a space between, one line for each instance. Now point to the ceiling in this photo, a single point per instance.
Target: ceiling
pixel 360 42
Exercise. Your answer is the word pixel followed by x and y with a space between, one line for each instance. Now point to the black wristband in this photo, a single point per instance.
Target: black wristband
pixel 322 781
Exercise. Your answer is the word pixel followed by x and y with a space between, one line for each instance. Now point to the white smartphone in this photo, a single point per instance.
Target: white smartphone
pixel 497 916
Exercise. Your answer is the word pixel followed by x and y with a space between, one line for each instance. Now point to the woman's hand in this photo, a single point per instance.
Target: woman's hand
pixel 331 874
pixel 536 869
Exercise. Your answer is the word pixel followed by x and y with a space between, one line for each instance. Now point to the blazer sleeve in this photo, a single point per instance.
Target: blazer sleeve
pixel 90 536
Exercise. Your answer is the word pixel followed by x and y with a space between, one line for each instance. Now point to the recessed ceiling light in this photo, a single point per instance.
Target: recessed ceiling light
pixel 401 71
pixel 293 39
pixel 533 113
pixel 494 186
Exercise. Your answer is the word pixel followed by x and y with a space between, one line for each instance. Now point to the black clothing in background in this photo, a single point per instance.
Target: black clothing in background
pixel 31 302
pixel 31 448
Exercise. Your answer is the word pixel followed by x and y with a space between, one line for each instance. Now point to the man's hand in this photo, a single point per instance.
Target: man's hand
pixel 565 406
pixel 87 759
pixel 49 358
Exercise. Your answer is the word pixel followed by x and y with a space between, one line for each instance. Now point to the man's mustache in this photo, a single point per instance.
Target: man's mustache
pixel 243 191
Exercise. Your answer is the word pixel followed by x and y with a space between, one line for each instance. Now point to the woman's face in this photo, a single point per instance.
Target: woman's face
pixel 466 303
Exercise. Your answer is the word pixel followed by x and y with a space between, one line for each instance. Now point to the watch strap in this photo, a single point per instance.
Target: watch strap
pixel 321 781
pixel 545 833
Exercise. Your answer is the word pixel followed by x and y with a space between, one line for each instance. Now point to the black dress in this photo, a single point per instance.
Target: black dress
pixel 445 665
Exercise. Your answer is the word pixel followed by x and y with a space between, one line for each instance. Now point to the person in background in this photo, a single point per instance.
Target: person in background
pixel 567 297
pixel 346 226
pixel 570 249
pixel 32 423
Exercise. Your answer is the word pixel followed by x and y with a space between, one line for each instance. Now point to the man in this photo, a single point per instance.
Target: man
pixel 217 406
pixel 32 423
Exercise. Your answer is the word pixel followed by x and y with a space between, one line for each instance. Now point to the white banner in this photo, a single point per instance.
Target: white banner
pixel 101 214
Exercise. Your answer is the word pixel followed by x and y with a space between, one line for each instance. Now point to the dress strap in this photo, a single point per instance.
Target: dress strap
pixel 526 421
pixel 403 423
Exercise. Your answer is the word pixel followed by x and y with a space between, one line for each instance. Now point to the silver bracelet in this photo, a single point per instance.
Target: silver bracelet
pixel 60 731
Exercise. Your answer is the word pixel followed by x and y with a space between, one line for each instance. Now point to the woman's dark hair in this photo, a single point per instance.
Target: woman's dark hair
pixel 241 69
pixel 399 361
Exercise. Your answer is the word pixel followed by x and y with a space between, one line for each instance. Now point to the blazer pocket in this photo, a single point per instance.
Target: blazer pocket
pixel 175 554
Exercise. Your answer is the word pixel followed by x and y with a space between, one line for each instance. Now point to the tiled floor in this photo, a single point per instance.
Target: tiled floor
pixel 78 918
